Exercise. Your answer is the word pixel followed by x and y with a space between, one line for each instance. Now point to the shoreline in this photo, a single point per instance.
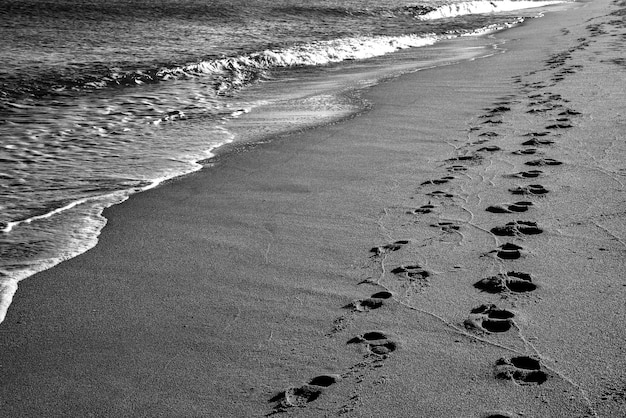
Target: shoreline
pixel 227 292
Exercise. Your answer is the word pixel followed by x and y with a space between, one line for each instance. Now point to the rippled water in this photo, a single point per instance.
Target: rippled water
pixel 94 94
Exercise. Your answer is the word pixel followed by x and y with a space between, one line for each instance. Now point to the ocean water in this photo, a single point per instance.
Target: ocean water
pixel 100 99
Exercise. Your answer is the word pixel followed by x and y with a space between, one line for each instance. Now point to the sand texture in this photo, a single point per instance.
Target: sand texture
pixel 456 251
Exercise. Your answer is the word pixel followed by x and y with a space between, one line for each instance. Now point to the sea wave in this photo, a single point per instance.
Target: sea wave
pixel 479 7
pixel 238 71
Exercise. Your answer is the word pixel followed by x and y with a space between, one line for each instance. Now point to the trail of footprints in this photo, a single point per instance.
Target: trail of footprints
pixel 485 319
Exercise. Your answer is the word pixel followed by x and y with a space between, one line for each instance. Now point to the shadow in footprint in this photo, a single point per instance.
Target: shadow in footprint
pixel 531 189
pixel 385 249
pixel 508 251
pixel 489 318
pixel 457 168
pixel 446 226
pixel 497 415
pixel 490 148
pixel 376 342
pixel 560 126
pixel 373 302
pixel 537 134
pixel 302 395
pixel 440 193
pixel 511 281
pixel 415 272
pixel 529 151
pixel 489 134
pixel 473 158
pixel 442 180
pixel 537 142
pixel 526 174
pixel 510 208
pixel 422 210
pixel 517 228
pixel 522 370
pixel 543 161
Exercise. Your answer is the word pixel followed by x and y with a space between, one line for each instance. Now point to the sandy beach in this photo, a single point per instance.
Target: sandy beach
pixel 458 250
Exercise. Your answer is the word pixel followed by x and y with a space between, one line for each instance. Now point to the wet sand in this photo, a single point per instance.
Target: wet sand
pixel 456 251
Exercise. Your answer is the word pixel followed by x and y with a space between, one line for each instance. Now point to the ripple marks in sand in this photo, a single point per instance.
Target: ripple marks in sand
pixel 512 281
pixel 489 318
pixel 522 370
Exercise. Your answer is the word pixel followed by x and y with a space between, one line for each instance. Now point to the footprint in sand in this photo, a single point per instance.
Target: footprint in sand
pixel 497 415
pixel 526 174
pixel 442 180
pixel 543 161
pixel 385 249
pixel 537 134
pixel 422 210
pixel 375 301
pixel 527 151
pixel 490 148
pixel 531 189
pixel 515 228
pixel 302 395
pixel 376 342
pixel 495 111
pixel 522 370
pixel 446 226
pixel 508 251
pixel 472 158
pixel 560 126
pixel 414 275
pixel 510 208
pixel 539 110
pixel 512 281
pixel 414 272
pixel 490 134
pixel 440 193
pixel 569 112
pixel 537 142
pixel 457 168
pixel 489 318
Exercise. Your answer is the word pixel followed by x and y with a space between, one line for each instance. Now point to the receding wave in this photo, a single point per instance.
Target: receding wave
pixel 478 7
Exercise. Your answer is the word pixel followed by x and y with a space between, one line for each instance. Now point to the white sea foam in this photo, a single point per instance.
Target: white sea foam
pixel 479 7
pixel 241 69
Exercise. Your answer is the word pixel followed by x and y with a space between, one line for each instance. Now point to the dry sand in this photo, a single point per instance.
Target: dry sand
pixel 354 269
